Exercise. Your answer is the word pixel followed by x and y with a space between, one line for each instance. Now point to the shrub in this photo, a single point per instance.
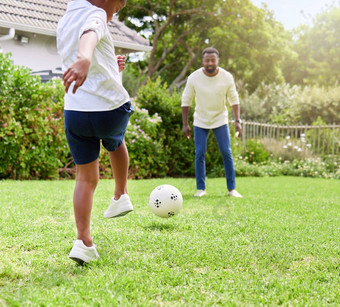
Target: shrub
pixel 268 101
pixel 243 169
pixel 177 152
pixel 134 76
pixel 323 140
pixel 286 104
pixel 337 174
pixel 33 144
pixel 255 152
pixel 288 149
pixel 314 167
pixel 145 147
pixel 309 168
pixel 314 102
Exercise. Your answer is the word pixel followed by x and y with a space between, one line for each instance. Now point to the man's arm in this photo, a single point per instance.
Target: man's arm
pixel 77 72
pixel 187 97
pixel 235 105
pixel 186 127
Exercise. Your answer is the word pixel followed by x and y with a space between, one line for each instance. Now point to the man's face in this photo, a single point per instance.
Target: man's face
pixel 210 62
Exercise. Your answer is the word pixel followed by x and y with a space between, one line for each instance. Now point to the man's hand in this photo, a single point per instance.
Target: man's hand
pixel 77 73
pixel 121 62
pixel 187 132
pixel 238 129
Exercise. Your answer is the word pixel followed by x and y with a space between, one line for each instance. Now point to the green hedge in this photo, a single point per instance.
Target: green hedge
pixel 286 104
pixel 144 145
pixel 33 144
pixel 177 152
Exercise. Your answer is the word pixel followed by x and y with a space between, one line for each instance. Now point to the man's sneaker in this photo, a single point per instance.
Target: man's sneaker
pixel 200 193
pixel 119 207
pixel 234 193
pixel 82 253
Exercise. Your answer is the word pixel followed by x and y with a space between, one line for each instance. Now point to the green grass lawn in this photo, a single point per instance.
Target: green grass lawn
pixel 280 245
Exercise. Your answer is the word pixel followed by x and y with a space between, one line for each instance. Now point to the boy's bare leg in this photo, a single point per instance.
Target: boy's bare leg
pixel 86 182
pixel 120 165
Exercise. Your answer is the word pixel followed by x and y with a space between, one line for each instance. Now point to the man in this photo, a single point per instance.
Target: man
pixel 210 85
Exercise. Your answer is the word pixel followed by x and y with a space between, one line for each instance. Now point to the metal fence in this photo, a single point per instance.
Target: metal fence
pixel 320 140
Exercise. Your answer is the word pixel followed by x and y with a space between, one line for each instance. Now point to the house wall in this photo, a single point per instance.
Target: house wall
pixel 40 53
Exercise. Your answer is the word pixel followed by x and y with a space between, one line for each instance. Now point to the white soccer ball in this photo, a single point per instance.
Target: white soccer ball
pixel 165 201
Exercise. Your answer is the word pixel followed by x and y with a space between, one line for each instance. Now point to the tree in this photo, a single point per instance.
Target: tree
pixel 173 26
pixel 251 41
pixel 317 51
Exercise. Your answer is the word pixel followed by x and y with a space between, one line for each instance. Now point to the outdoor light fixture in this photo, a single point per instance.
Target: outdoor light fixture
pixel 23 39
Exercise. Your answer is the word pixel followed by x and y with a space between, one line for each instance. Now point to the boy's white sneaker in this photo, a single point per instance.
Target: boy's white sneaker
pixel 119 207
pixel 234 193
pixel 82 253
pixel 200 193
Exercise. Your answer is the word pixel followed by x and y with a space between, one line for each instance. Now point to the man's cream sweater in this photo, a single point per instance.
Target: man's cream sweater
pixel 210 97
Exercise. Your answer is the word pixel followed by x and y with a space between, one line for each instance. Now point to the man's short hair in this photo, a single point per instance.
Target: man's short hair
pixel 210 50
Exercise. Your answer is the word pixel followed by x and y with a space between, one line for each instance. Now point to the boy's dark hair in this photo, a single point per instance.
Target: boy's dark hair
pixel 210 50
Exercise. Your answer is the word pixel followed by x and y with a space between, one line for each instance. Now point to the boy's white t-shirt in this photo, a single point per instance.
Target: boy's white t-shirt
pixel 103 89
pixel 210 97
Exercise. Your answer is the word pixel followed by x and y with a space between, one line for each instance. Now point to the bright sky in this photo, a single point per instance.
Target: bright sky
pixel 293 13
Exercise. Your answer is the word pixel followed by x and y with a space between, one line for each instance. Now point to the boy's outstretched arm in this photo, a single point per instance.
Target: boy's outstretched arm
pixel 78 70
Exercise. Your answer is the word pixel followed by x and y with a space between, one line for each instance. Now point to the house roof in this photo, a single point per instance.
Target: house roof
pixel 42 16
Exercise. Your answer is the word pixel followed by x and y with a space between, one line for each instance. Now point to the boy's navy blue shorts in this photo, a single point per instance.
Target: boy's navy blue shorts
pixel 84 130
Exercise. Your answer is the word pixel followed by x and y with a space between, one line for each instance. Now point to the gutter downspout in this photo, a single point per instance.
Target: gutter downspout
pixel 7 37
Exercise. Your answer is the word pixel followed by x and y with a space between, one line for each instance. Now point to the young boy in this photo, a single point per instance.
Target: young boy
pixel 97 108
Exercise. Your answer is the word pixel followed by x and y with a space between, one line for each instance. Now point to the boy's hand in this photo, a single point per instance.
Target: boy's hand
pixel 77 73
pixel 121 62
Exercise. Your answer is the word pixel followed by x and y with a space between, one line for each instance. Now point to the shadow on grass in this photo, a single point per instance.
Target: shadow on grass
pixel 160 227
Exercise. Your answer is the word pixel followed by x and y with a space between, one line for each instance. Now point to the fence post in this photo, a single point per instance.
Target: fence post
pixel 333 141
pixel 244 130
pixel 318 139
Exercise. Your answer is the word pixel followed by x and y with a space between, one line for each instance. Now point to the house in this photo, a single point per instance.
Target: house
pixel 28 31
